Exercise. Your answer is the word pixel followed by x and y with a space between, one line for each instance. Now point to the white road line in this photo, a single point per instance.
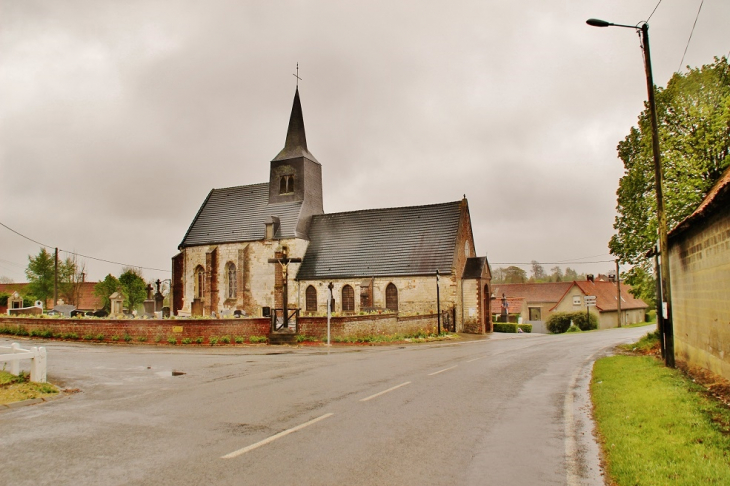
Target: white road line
pixel 480 357
pixel 441 371
pixel 274 437
pixel 385 391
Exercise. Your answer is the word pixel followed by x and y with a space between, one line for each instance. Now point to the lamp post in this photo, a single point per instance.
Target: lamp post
pixel 329 310
pixel 664 306
pixel 438 302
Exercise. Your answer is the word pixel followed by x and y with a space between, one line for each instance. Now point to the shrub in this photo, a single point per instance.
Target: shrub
pixel 88 337
pixel 99 337
pixel 213 340
pixel 172 340
pixel 505 327
pixel 226 339
pixel 199 339
pixel 158 338
pixel 525 327
pixel 579 319
pixel 127 337
pixel 187 341
pixel 257 339
pixel 70 335
pixel 574 328
pixel 558 322
pixel 45 333
pixel 239 339
pixel 115 338
pixel 142 339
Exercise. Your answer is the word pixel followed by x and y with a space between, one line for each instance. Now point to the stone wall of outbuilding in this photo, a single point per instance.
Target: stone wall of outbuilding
pixel 699 260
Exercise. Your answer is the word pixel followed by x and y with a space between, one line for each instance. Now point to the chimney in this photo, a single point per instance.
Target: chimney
pixel 589 277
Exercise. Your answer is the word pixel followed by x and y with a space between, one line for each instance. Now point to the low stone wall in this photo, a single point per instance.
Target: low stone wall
pixel 367 325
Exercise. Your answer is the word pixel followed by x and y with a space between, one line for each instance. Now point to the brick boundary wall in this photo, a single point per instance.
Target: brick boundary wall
pixel 159 330
pixel 153 330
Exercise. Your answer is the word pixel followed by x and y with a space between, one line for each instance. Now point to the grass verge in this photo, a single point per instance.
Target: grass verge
pixel 656 426
pixel 18 388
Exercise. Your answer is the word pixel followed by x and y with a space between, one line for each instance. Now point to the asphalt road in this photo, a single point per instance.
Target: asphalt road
pixel 506 410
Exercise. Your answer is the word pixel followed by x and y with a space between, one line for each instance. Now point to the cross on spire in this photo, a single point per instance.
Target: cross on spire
pixel 297 75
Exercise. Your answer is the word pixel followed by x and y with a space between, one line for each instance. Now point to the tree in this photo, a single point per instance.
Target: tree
pixel 70 278
pixel 643 285
pixel 133 287
pixel 556 274
pixel 514 274
pixel 570 274
pixel 5 280
pixel 694 131
pixel 40 273
pixel 538 272
pixel 105 289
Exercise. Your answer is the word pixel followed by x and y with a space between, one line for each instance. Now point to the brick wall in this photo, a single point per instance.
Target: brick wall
pixel 151 329
pixel 159 330
pixel 699 262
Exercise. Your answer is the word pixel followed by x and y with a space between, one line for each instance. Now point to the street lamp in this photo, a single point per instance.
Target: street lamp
pixel 665 307
pixel 438 303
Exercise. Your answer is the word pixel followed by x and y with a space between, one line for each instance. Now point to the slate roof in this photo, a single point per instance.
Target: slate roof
pixel 474 267
pixel 239 213
pixel 405 241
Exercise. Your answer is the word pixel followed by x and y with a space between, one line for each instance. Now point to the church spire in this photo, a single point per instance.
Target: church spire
pixel 296 139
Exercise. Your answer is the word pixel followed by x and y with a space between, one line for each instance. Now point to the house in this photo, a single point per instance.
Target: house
pixel 247 242
pixel 542 299
pixel 699 263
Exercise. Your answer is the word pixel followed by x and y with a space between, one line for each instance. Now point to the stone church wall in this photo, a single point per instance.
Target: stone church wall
pixel 416 295
pixel 255 287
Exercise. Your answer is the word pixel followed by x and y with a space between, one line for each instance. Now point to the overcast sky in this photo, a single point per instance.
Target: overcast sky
pixel 118 117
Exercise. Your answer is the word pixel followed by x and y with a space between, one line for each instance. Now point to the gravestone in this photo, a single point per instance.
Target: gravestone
pixel 117 304
pixel 15 301
pixel 149 303
pixel 159 298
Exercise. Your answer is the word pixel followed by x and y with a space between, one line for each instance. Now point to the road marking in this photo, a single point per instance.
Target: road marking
pixel 385 391
pixel 441 371
pixel 274 437
pixel 481 357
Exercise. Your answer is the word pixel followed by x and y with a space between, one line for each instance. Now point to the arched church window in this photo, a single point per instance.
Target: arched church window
pixel 391 297
pixel 311 299
pixel 199 282
pixel 348 299
pixel 231 280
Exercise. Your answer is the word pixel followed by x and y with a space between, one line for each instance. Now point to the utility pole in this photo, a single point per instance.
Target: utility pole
pixel 438 302
pixel 618 293
pixel 55 278
pixel 661 214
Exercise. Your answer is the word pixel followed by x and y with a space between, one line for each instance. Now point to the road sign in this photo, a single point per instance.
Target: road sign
pixel 590 300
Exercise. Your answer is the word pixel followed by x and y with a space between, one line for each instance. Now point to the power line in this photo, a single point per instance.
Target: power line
pixel 550 263
pixel 79 254
pixel 652 12
pixel 30 239
pixel 690 36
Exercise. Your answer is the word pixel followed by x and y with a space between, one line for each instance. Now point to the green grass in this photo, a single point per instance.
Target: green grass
pixel 649 342
pixel 17 388
pixel 657 426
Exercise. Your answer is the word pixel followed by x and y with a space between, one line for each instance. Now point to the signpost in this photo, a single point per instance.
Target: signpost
pixel 590 301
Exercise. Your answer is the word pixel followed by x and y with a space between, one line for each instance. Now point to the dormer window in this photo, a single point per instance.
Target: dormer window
pixel 286 184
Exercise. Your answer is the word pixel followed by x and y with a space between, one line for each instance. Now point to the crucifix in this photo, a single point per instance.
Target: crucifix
pixel 284 261
pixel 297 75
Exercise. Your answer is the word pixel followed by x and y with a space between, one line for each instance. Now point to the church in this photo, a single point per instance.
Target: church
pixel 254 250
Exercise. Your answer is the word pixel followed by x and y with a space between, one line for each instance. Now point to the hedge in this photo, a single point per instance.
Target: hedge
pixel 559 322
pixel 525 327
pixel 505 327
